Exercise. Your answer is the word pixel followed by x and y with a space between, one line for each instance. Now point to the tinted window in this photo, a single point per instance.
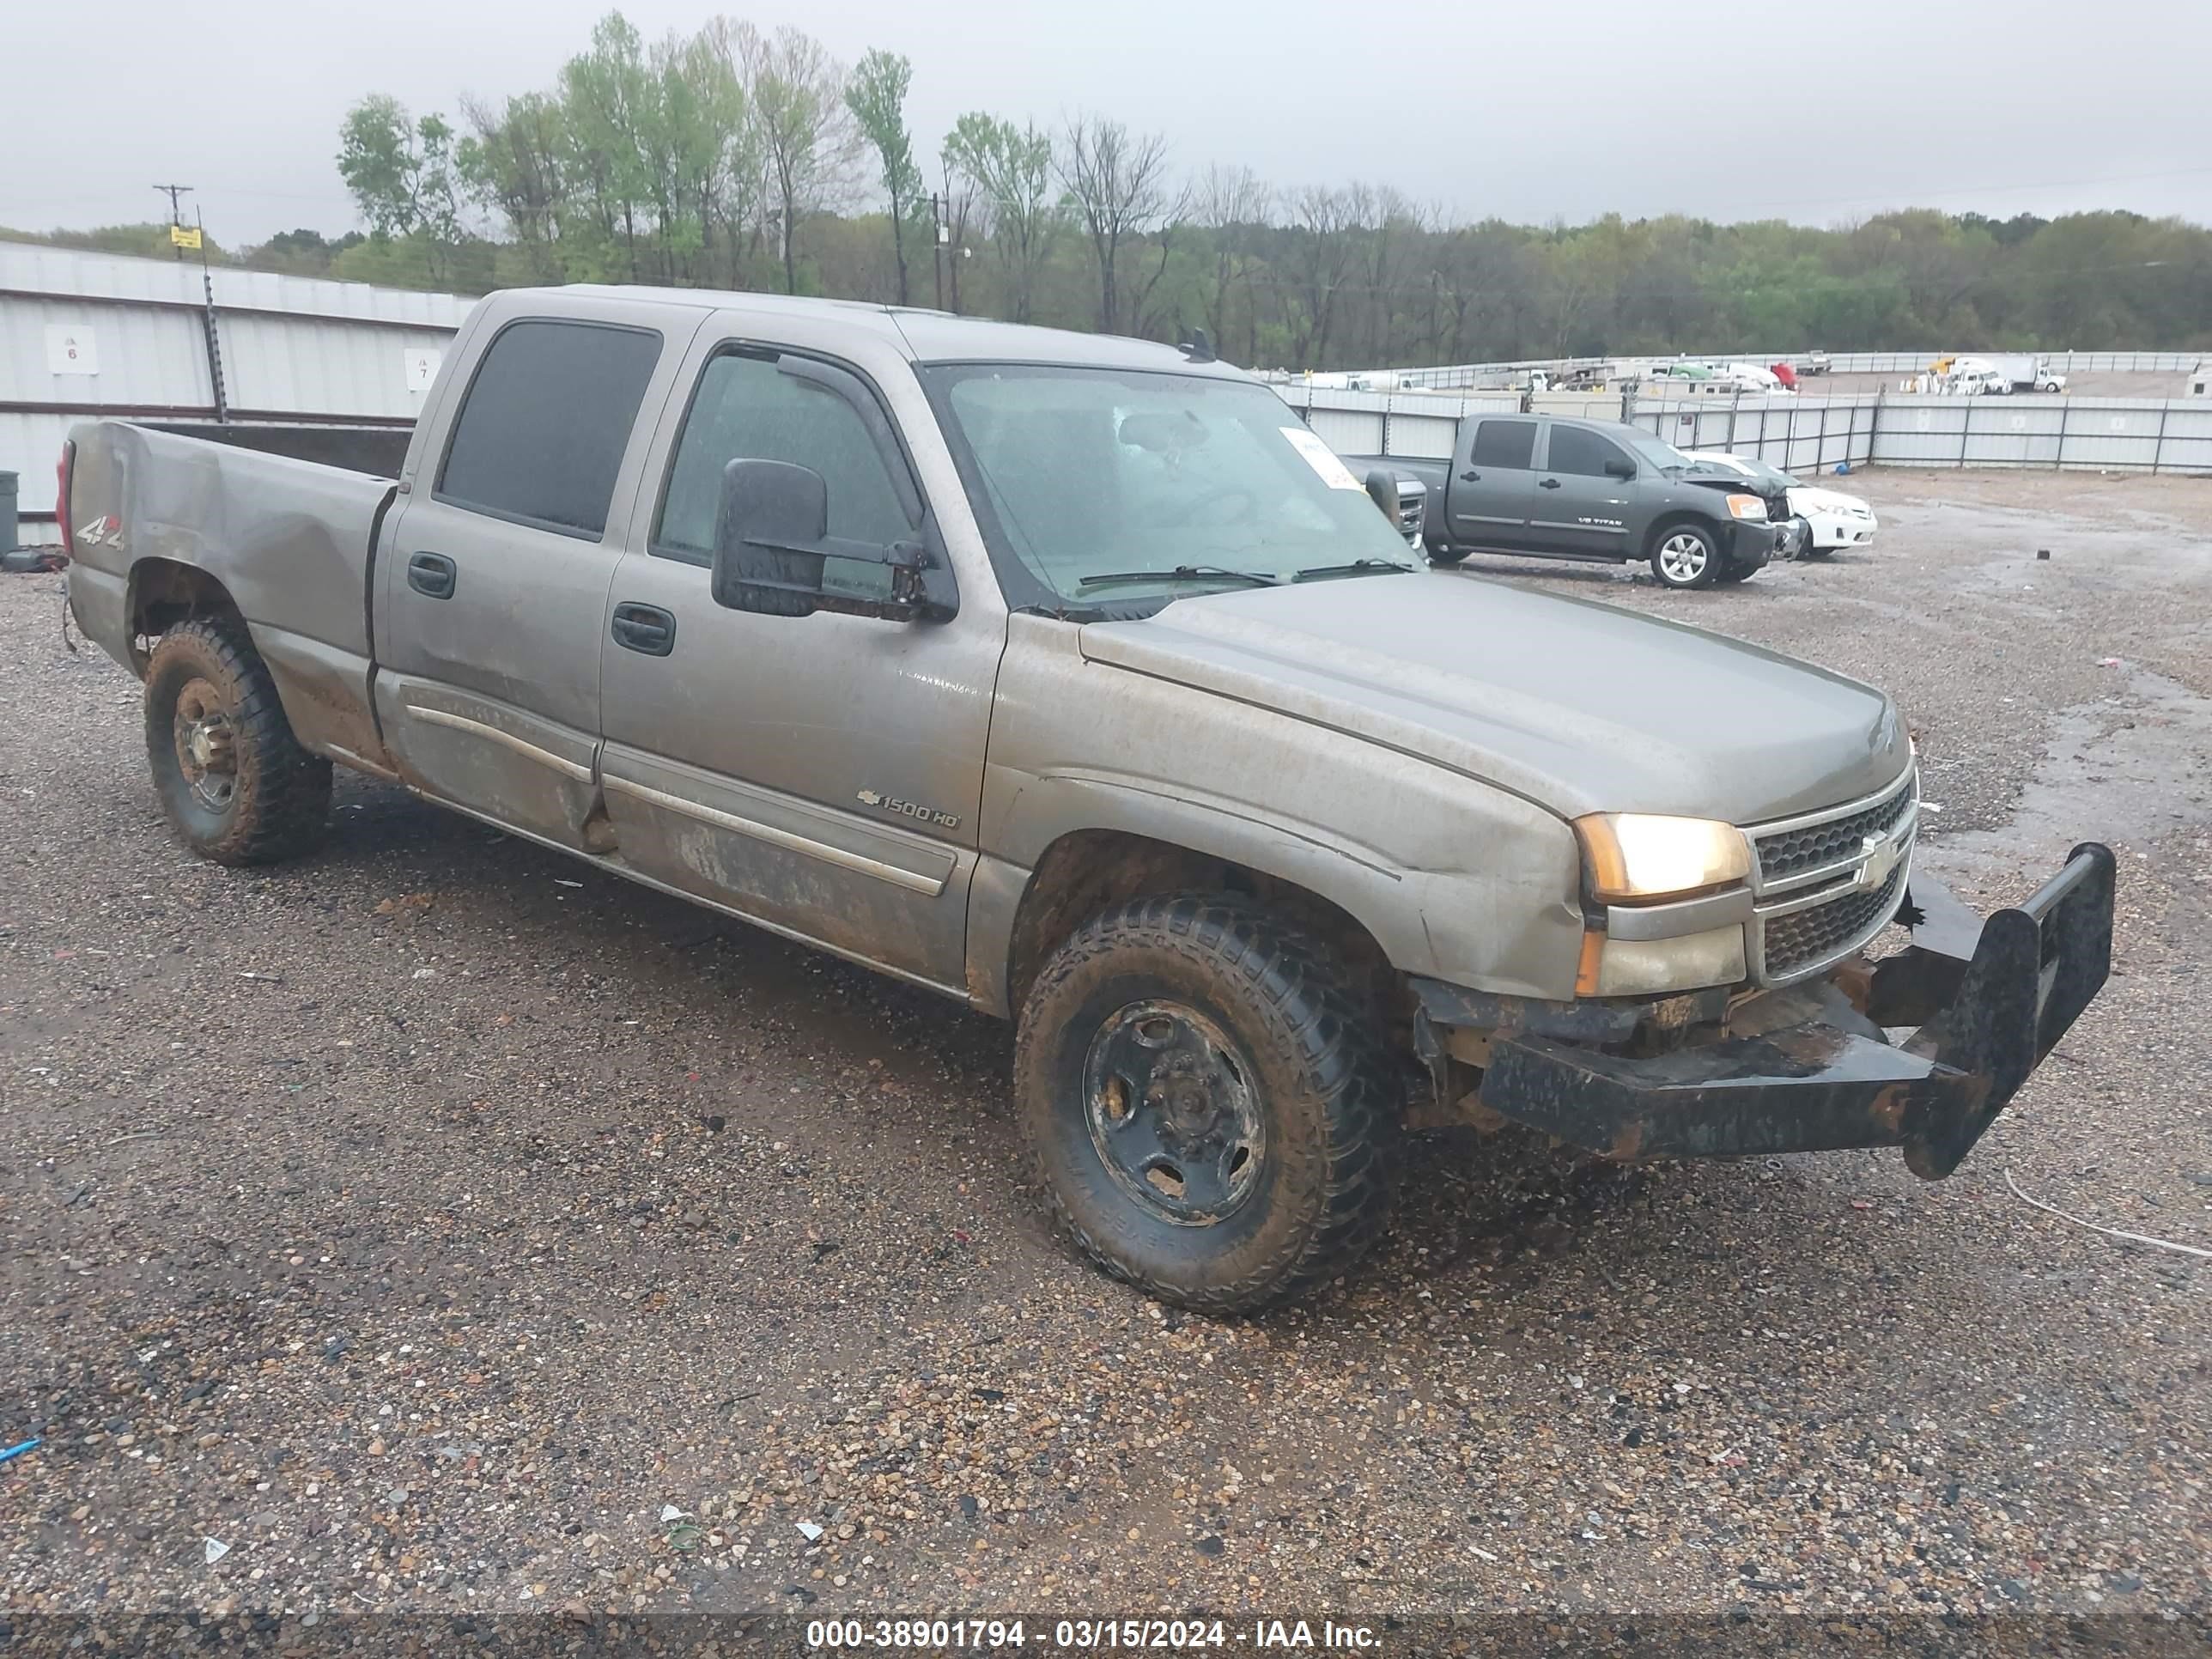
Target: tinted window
pixel 1504 444
pixel 746 408
pixel 547 415
pixel 1583 453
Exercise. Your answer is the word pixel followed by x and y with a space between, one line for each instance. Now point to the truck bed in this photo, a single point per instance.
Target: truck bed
pixel 289 541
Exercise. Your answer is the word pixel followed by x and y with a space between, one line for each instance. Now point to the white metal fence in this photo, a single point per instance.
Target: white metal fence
pixel 1810 434
pixel 84 335
pixel 1461 376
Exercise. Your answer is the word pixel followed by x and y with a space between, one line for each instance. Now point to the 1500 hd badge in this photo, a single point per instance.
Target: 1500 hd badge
pixel 907 809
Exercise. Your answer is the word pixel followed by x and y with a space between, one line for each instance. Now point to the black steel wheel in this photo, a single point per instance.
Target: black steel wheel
pixel 234 781
pixel 1207 1104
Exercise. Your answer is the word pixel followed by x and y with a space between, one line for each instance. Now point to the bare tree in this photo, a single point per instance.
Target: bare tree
pixel 1323 222
pixel 1118 182
pixel 1231 203
pixel 810 145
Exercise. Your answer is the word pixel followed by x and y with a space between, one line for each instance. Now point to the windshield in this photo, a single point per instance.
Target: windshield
pixel 1652 452
pixel 1167 483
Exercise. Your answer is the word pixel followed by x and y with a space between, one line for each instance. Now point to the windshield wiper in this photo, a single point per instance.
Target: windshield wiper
pixel 1357 568
pixel 1182 572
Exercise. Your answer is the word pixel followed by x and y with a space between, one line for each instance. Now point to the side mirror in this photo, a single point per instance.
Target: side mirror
pixel 1383 491
pixel 772 538
pixel 1618 468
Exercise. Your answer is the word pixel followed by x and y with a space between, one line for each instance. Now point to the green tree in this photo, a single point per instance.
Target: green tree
pixel 876 95
pixel 1010 167
pixel 402 175
pixel 807 139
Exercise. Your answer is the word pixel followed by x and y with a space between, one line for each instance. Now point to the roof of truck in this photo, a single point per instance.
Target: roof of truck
pixel 926 336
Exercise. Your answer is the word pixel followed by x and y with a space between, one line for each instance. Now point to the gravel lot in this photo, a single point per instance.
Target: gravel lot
pixel 422 1219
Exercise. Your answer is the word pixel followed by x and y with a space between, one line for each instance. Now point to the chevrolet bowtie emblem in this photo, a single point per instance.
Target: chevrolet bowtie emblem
pixel 1882 852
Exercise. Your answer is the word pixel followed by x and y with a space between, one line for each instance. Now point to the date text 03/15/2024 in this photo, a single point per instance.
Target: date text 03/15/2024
pixel 1108 1635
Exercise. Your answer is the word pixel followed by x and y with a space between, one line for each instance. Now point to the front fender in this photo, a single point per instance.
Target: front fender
pixel 1454 879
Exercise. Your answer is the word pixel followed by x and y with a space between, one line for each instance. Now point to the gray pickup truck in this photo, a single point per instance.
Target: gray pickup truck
pixel 1076 679
pixel 1544 486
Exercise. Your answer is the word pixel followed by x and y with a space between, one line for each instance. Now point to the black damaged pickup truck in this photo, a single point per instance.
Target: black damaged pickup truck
pixel 1550 487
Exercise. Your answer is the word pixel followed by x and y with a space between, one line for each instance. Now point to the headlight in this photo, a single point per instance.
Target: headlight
pixel 1640 855
pixel 1746 507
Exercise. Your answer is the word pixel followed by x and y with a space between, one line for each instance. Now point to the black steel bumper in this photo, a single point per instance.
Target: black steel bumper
pixel 1751 542
pixel 1990 1001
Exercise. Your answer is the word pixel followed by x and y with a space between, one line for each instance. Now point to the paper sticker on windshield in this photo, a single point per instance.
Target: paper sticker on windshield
pixel 1320 457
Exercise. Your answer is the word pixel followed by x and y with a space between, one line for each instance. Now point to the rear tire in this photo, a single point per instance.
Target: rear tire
pixel 1445 558
pixel 234 782
pixel 1685 555
pixel 1207 1104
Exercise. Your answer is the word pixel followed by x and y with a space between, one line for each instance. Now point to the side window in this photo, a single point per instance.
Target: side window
pixel 746 408
pixel 1582 454
pixel 546 417
pixel 1505 444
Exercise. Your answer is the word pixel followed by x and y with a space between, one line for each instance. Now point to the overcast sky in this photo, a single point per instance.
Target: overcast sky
pixel 1814 112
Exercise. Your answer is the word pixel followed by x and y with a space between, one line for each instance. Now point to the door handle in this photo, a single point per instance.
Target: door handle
pixel 644 628
pixel 1547 483
pixel 1470 476
pixel 431 575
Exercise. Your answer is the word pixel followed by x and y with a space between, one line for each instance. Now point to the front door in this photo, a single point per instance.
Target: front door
pixel 1579 507
pixel 493 577
pixel 819 775
pixel 1487 502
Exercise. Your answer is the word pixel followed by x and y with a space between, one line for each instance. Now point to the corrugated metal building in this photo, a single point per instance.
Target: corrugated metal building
pixel 85 335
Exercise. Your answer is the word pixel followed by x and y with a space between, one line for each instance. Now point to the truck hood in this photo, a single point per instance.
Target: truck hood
pixel 1576 706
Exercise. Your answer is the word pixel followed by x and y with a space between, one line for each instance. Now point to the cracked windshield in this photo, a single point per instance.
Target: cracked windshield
pixel 1121 486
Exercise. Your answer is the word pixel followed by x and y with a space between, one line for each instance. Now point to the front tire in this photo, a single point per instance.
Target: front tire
pixel 1686 556
pixel 1207 1104
pixel 1446 558
pixel 234 782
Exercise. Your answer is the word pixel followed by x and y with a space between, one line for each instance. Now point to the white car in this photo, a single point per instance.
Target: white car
pixel 1832 518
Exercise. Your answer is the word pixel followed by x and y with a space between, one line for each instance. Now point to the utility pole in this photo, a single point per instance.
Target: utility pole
pixel 176 214
pixel 939 235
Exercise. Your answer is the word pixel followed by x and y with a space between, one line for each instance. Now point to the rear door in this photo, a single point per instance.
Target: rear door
pixel 1578 507
pixel 493 581
pixel 1487 500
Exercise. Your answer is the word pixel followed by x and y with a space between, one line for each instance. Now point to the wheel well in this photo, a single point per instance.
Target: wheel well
pixel 1668 520
pixel 164 593
pixel 1085 871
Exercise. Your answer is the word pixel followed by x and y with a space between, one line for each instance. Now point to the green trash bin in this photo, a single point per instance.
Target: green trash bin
pixel 8 512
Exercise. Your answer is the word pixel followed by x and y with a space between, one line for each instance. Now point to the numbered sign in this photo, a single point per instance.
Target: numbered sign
pixel 71 350
pixel 421 367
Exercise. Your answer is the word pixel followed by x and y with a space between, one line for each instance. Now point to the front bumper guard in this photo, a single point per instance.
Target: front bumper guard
pixel 1989 999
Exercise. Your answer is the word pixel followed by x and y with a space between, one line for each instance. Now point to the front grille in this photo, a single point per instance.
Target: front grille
pixel 1412 509
pixel 1804 939
pixel 1787 853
